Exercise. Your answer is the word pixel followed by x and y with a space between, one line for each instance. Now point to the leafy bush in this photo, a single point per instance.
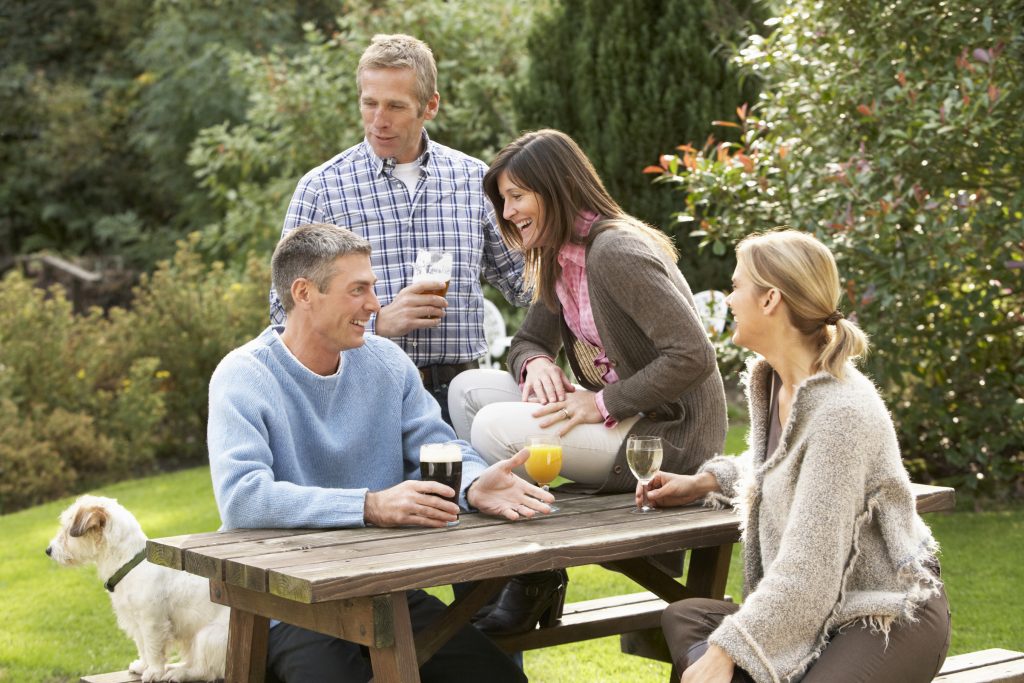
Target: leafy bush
pixel 69 417
pixel 303 107
pixel 118 91
pixel 189 315
pixel 627 79
pixel 893 133
pixel 87 399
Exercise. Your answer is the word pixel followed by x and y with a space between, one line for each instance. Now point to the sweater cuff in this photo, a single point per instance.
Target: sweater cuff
pixel 726 472
pixel 744 651
pixel 609 421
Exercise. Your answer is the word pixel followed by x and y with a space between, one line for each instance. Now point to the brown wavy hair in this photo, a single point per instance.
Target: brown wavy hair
pixel 550 163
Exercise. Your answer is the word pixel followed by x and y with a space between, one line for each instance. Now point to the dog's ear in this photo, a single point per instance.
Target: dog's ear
pixel 87 519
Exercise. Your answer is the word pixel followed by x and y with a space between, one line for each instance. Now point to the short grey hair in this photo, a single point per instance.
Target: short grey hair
pixel 399 51
pixel 310 252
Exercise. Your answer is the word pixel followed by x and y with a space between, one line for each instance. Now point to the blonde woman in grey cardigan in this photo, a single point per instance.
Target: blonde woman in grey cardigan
pixel 609 293
pixel 841 581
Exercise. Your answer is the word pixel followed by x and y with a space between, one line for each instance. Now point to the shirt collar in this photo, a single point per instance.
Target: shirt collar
pixel 387 166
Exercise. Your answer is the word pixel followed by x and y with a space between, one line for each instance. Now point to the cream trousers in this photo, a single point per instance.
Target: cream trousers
pixel 487 412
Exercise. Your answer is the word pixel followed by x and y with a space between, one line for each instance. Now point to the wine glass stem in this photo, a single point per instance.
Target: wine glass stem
pixel 643 496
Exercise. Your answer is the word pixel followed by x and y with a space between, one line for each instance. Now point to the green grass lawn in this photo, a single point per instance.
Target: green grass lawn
pixel 57 623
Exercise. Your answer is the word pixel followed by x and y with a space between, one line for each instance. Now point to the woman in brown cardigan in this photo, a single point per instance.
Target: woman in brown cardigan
pixel 608 292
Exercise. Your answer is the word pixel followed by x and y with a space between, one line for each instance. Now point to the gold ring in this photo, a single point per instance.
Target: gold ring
pixel 566 413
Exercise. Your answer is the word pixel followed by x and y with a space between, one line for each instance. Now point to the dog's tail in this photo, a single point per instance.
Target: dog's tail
pixel 209 653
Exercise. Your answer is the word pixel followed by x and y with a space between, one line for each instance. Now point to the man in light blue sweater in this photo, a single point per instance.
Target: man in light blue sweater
pixel 316 424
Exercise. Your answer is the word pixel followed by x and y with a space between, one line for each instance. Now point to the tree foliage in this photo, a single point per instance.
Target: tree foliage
pixel 302 106
pixel 99 102
pixel 88 399
pixel 629 79
pixel 892 132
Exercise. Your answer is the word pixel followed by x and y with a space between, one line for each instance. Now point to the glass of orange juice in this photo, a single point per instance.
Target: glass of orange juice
pixel 545 461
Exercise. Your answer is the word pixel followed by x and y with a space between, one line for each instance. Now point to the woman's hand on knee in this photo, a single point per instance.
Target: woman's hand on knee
pixel 545 382
pixel 714 666
pixel 578 408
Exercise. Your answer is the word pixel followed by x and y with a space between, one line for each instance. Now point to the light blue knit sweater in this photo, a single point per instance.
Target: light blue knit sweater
pixel 290 448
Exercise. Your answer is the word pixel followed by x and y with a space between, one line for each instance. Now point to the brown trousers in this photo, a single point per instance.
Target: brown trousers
pixel 855 654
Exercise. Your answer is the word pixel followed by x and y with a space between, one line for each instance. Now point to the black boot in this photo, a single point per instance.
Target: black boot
pixel 525 600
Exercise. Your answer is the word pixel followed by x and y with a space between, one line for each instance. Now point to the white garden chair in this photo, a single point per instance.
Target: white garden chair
pixel 496 335
pixel 712 311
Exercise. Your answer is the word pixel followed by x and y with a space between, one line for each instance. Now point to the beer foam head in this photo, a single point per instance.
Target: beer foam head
pixel 440 452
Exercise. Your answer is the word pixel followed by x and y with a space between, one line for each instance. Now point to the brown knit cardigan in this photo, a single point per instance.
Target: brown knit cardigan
pixel 648 323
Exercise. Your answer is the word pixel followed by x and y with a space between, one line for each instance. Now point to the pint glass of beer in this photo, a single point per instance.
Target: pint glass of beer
pixel 442 462
pixel 433 266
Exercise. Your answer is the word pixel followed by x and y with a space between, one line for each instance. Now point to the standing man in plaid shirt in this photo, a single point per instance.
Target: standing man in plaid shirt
pixel 403 192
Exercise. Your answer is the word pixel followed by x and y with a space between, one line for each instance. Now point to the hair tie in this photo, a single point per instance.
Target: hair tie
pixel 836 316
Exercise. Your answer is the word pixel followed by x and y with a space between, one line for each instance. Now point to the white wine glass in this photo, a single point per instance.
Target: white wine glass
pixel 643 454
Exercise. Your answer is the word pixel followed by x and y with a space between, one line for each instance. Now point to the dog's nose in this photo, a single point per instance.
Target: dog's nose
pixel 49 550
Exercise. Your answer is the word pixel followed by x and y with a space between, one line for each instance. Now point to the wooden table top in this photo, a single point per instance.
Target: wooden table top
pixel 312 566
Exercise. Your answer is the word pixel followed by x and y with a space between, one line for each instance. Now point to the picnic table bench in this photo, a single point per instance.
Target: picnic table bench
pixel 350 582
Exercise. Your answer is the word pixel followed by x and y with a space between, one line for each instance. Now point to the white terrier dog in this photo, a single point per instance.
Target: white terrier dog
pixel 159 608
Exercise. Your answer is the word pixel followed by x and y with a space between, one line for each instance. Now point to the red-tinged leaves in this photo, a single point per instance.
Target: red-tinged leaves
pixel 748 163
pixel 723 152
pixel 783 152
pixel 665 160
pixel 710 142
pixel 654 169
pixel 993 93
pixel 728 124
pixel 864 109
pixel 851 292
pixel 919 194
pixel 741 112
pixel 686 148
pixel 902 79
pixel 690 162
pixel 966 99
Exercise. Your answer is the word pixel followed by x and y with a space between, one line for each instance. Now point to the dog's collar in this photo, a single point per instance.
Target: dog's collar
pixel 131 564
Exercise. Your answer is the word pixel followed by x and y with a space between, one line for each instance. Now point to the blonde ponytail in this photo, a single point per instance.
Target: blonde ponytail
pixel 844 342
pixel 804 271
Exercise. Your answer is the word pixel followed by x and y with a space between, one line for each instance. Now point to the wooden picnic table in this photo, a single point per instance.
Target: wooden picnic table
pixel 350 583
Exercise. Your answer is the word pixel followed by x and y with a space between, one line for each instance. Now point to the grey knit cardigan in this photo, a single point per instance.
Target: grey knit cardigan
pixel 648 324
pixel 831 532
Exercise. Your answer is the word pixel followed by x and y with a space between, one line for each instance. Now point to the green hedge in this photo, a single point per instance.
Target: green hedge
pixel 88 399
pixel 893 133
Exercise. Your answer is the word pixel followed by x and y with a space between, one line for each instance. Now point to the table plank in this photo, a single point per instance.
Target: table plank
pixel 933 498
pixel 354 619
pixel 248 563
pixel 205 554
pixel 296 560
pixel 534 546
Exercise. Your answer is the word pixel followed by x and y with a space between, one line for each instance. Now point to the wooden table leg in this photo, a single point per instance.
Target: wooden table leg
pixel 395 663
pixel 247 647
pixel 709 570
pixel 432 638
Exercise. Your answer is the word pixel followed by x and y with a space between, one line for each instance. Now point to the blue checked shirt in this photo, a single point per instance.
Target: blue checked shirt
pixel 448 211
